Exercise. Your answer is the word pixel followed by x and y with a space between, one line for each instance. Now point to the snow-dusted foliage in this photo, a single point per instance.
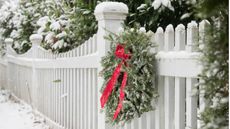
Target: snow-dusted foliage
pixel 17 22
pixel 66 29
pixel 62 26
pixel 6 14
pixel 215 60
pixel 167 3
pixel 55 32
pixel 159 13
pixel 23 22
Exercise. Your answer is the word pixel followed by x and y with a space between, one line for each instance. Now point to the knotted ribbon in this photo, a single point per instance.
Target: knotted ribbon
pixel 119 53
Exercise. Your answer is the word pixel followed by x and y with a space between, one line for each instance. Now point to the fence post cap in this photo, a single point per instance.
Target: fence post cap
pixel 9 40
pixel 111 10
pixel 36 38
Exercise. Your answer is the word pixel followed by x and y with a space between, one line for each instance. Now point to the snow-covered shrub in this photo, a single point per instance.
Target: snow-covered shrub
pixel 24 22
pixel 18 22
pixel 66 29
pixel 63 25
pixel 6 14
pixel 55 32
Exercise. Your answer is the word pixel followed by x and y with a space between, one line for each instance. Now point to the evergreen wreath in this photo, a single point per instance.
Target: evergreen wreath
pixel 138 66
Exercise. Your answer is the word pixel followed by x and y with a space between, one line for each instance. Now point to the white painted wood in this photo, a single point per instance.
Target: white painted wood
pixel 179 103
pixel 149 120
pixel 204 25
pixel 68 98
pixel 74 114
pixel 85 98
pixel 180 38
pixel 62 98
pixel 65 96
pixel 71 95
pixel 169 103
pixel 48 92
pixel 90 98
pixel 95 44
pixel 169 38
pixel 82 50
pixel 181 64
pixel 95 98
pixel 58 96
pixel 192 37
pixel 191 104
pixel 81 99
pixel 51 108
pixel 89 61
pixel 110 16
pixel 159 38
pixel 55 95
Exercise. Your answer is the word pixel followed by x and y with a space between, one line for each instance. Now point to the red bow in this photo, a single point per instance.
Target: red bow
pixel 120 53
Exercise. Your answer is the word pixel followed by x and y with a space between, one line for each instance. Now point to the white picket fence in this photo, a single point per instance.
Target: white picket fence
pixel 65 88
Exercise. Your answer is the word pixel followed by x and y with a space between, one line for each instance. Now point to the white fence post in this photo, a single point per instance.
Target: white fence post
pixel 110 16
pixel 9 43
pixel 36 40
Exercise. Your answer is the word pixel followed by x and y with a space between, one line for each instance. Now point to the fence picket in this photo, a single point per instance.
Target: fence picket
pixel 179 38
pixel 95 43
pixel 179 103
pixel 159 117
pixel 59 97
pixel 169 38
pixel 78 99
pixel 90 92
pixel 191 104
pixel 192 37
pixel 67 85
pixel 95 98
pixel 54 95
pixel 81 99
pixel 85 98
pixel 169 102
pixel 159 38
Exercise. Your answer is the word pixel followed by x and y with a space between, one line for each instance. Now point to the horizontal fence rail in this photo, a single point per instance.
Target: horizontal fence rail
pixel 65 88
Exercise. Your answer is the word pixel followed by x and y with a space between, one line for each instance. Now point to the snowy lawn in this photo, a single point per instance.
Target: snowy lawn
pixel 14 115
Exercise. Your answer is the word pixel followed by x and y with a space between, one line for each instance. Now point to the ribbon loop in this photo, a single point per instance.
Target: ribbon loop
pixel 120 52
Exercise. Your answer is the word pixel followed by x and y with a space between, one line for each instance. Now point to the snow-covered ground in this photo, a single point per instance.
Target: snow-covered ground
pixel 14 115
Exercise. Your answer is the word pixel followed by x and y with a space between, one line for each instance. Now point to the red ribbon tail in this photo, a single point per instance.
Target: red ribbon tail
pixel 122 96
pixel 109 87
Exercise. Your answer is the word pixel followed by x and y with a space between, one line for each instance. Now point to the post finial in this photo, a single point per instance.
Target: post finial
pixel 111 10
pixel 9 41
pixel 36 39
